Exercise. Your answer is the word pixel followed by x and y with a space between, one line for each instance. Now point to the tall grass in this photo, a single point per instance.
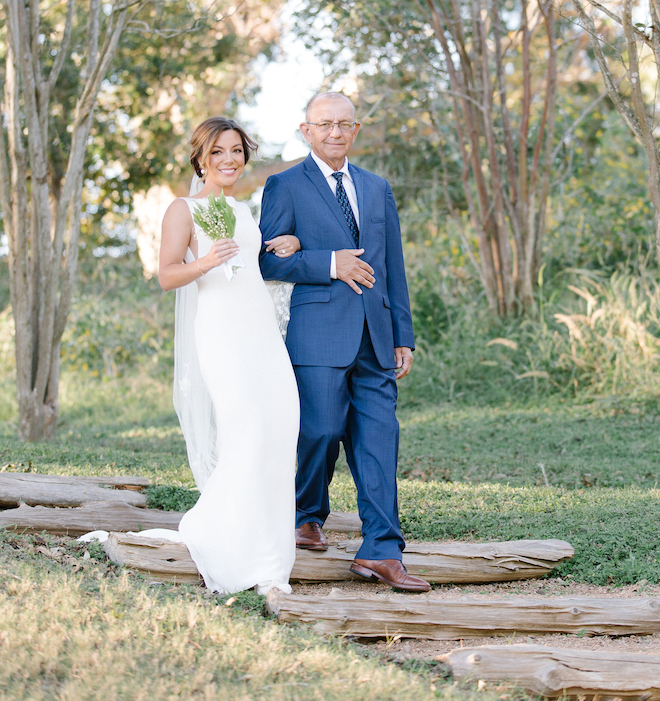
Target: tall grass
pixel 593 338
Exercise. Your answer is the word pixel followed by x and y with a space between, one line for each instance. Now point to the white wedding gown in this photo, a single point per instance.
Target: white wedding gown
pixel 241 532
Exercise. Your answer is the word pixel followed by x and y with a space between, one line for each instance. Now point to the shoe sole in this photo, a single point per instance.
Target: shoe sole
pixel 375 577
pixel 312 547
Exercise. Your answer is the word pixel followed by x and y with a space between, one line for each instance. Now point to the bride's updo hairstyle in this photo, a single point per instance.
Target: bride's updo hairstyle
pixel 205 136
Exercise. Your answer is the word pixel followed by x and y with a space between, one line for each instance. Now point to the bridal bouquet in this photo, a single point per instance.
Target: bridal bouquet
pixel 218 221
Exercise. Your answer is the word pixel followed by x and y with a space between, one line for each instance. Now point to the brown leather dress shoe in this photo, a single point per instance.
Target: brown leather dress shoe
pixel 310 536
pixel 390 572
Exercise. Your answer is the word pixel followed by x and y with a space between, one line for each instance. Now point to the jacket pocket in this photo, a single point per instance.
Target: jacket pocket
pixel 377 220
pixel 386 301
pixel 309 297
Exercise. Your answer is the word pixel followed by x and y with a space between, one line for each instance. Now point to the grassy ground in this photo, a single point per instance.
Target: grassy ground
pixel 76 628
pixel 466 472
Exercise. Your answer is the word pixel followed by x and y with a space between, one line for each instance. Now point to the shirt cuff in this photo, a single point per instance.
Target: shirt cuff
pixel 333 266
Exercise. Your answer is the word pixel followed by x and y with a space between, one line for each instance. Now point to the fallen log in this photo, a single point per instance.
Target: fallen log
pixel 164 560
pixel 93 516
pixel 437 562
pixel 559 672
pixel 430 618
pixel 441 563
pixel 114 516
pixel 341 522
pixel 58 490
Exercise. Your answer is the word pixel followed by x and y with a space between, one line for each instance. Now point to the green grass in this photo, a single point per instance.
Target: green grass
pixel 466 472
pixel 77 628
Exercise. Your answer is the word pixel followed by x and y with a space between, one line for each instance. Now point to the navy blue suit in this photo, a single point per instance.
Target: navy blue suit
pixel 342 344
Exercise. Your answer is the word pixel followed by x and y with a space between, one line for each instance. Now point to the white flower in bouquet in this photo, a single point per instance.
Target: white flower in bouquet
pixel 218 221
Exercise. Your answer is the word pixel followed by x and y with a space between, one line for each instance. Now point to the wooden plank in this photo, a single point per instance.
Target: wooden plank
pixel 161 559
pixel 94 516
pixel 423 616
pixel 556 672
pixel 441 563
pixel 57 490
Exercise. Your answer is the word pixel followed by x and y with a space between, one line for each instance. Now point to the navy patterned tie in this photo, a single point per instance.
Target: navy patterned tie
pixel 346 208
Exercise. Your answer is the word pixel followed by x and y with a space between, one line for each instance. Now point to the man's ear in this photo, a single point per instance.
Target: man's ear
pixel 306 132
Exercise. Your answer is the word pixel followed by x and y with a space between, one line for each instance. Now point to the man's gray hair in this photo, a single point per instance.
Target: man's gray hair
pixel 333 95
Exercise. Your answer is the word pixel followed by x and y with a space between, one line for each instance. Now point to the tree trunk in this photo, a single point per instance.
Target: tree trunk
pixel 42 230
pixel 506 188
pixel 628 96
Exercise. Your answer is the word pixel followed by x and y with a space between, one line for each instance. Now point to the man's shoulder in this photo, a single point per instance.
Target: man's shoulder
pixel 368 176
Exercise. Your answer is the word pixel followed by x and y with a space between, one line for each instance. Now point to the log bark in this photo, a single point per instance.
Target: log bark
pixel 431 618
pixel 164 560
pixel 559 672
pixel 94 516
pixel 438 563
pixel 57 490
pixel 341 522
pixel 442 563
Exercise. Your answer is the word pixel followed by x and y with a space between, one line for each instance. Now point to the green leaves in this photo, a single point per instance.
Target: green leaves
pixel 217 218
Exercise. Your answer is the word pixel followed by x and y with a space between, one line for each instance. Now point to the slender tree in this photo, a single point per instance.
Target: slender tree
pixel 482 76
pixel 625 72
pixel 41 200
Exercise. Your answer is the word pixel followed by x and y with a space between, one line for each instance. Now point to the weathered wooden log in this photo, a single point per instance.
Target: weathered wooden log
pixel 94 516
pixel 109 516
pixel 424 616
pixel 437 562
pixel 442 563
pixel 341 522
pixel 161 559
pixel 558 672
pixel 57 490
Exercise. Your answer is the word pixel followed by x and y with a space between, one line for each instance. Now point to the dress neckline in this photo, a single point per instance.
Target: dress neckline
pixel 227 197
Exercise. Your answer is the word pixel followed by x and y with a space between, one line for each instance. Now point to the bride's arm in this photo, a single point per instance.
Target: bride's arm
pixel 176 236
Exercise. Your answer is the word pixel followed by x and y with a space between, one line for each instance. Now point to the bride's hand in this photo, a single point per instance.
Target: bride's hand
pixel 221 251
pixel 283 246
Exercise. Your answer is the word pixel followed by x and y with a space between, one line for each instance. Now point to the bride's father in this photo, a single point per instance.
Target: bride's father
pixel 350 334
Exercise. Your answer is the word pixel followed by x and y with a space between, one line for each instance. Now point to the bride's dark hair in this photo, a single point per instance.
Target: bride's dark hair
pixel 206 134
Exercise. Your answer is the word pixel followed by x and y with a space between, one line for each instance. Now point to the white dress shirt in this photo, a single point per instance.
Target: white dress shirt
pixel 349 186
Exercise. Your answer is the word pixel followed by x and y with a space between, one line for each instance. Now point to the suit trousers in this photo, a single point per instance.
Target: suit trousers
pixel 354 405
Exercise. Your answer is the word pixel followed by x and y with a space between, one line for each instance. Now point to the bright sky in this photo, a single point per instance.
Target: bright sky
pixel 286 87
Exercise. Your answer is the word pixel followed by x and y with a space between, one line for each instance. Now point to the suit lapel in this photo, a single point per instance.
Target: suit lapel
pixel 314 174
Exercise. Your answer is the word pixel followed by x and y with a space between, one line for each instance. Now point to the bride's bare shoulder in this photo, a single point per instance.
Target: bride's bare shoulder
pixel 177 219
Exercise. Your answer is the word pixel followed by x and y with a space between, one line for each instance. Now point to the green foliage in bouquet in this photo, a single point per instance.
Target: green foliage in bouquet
pixel 217 219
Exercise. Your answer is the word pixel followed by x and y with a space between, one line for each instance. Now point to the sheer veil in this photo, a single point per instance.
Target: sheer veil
pixel 192 402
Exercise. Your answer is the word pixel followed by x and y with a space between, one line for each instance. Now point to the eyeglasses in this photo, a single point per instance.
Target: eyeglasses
pixel 327 126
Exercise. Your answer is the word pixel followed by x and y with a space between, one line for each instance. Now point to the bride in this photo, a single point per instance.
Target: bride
pixel 235 391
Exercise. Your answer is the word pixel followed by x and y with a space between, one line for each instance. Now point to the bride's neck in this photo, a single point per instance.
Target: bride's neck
pixel 216 190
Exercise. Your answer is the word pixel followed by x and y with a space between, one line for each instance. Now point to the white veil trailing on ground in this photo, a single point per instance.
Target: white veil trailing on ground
pixel 192 402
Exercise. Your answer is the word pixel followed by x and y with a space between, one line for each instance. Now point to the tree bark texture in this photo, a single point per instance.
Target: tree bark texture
pixel 42 224
pixel 438 563
pixel 431 618
pixel 622 77
pixel 506 166
pixel 91 516
pixel 560 672
pixel 57 490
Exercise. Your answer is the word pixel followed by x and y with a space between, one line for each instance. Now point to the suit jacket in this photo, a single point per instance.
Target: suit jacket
pixel 327 316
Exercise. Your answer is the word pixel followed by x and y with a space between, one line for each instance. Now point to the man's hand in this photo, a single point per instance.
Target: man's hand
pixel 404 361
pixel 352 270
